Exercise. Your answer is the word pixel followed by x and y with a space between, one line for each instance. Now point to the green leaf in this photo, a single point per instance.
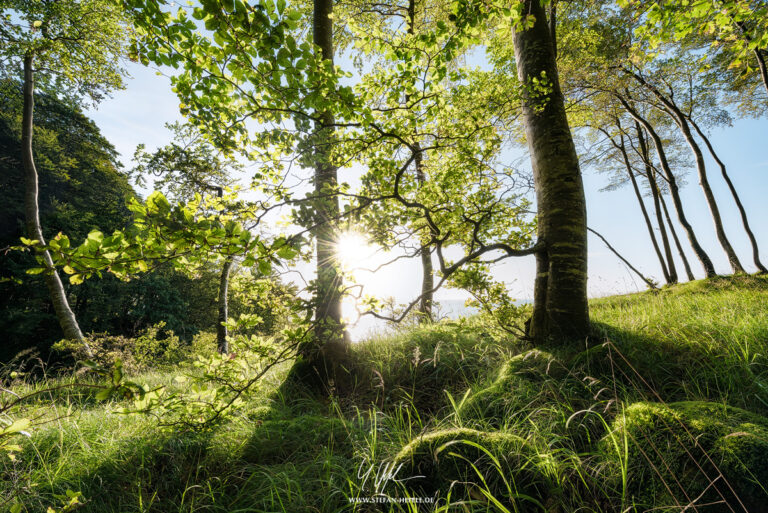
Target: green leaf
pixel 16 426
pixel 29 242
pixel 157 201
pixel 286 252
pixel 104 394
pixel 35 270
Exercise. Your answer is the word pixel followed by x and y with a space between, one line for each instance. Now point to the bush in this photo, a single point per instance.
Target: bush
pixel 155 346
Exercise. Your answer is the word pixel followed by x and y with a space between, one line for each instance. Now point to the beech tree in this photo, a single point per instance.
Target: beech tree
pixel 182 169
pixel 732 34
pixel 560 291
pixel 72 49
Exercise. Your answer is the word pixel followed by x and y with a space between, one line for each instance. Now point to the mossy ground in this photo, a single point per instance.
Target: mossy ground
pixel 671 393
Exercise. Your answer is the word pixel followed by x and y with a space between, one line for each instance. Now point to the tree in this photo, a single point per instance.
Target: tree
pixel 81 187
pixel 560 290
pixel 732 34
pixel 668 105
pixel 440 121
pixel 74 46
pixel 329 350
pixel 183 169
pixel 255 64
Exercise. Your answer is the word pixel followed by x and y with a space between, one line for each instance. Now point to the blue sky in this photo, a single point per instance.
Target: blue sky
pixel 138 114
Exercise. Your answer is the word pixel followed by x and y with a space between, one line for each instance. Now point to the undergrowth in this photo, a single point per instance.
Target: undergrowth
pixel 666 408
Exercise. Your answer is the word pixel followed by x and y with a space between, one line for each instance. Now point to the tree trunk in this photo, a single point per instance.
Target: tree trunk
pixel 706 262
pixel 742 211
pixel 650 175
pixel 330 344
pixel 64 313
pixel 561 311
pixel 221 329
pixel 427 275
pixel 647 218
pixel 678 245
pixel 680 119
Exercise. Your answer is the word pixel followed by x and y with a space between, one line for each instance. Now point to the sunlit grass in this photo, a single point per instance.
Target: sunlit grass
pixel 464 388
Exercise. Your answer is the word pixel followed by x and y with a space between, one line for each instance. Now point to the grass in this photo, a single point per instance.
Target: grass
pixel 666 407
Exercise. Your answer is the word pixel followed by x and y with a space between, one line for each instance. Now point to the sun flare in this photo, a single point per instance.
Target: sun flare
pixel 354 251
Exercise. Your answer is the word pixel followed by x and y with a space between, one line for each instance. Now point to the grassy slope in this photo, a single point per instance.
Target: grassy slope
pixel 571 428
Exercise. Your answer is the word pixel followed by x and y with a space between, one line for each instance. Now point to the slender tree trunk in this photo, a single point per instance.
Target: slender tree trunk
pixel 678 245
pixel 680 119
pixel 330 345
pixel 222 342
pixel 650 175
pixel 560 308
pixel 647 218
pixel 742 211
pixel 64 313
pixel 706 262
pixel 427 275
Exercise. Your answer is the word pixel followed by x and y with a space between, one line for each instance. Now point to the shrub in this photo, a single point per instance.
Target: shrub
pixel 155 346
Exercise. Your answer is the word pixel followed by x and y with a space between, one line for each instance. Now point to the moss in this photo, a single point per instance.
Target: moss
pixel 278 441
pixel 451 459
pixel 675 450
pixel 530 378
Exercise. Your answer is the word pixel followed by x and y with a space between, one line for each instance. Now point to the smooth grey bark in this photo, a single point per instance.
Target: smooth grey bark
pixel 330 345
pixel 678 245
pixel 671 108
pixel 64 313
pixel 630 171
pixel 706 262
pixel 426 302
pixel 427 270
pixel 222 343
pixel 650 176
pixel 736 198
pixel 560 311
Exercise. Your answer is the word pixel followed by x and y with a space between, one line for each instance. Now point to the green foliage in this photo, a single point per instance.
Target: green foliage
pixel 76 46
pixel 519 427
pixel 186 167
pixel 729 31
pixel 154 347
